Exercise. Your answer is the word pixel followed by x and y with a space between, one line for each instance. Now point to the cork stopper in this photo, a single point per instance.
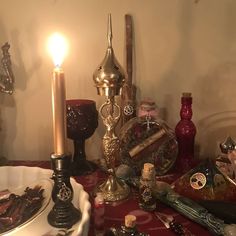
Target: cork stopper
pixel 186 98
pixel 148 104
pixel 148 167
pixel 148 171
pixel 130 221
pixel 186 95
pixel 148 107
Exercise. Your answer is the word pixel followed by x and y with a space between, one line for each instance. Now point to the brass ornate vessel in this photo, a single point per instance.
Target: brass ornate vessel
pixel 109 79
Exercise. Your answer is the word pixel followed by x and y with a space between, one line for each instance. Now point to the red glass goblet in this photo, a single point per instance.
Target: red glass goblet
pixel 82 121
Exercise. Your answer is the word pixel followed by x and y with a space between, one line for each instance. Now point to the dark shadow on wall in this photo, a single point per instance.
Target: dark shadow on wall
pixel 7 105
pixel 9 110
pixel 31 46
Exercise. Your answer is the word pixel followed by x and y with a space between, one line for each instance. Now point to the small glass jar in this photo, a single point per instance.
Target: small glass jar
pixel 128 229
pixel 147 200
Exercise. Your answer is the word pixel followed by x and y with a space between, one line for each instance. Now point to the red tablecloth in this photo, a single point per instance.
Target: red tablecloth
pixel 114 213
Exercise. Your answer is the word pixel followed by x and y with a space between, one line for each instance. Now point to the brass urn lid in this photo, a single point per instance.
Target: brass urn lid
pixel 109 76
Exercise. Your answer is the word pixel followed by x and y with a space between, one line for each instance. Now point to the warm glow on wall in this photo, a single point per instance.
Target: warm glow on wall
pixel 58 48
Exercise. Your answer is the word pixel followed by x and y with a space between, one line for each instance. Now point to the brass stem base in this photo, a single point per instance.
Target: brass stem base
pixel 114 189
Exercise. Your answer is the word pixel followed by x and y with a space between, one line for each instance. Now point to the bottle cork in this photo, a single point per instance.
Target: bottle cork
pixel 148 171
pixel 148 167
pixel 186 94
pixel 130 221
pixel 186 98
pixel 148 107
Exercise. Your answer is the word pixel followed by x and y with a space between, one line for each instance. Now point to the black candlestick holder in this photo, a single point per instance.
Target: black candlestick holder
pixel 63 213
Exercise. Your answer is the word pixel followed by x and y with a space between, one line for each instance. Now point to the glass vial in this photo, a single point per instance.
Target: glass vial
pixel 128 229
pixel 147 200
pixel 185 131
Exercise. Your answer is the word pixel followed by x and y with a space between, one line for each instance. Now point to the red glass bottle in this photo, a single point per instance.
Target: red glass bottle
pixel 185 132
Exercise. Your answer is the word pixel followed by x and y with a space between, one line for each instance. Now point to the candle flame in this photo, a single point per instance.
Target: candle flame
pixel 57 47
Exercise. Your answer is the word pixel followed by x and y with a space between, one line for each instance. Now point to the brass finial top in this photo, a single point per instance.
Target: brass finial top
pixel 109 32
pixel 109 76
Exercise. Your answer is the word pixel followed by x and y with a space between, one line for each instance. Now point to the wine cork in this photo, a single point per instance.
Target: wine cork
pixel 148 108
pixel 148 171
pixel 148 167
pixel 130 221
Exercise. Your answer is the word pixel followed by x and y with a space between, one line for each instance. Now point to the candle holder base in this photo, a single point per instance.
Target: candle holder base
pixel 63 213
pixel 63 216
pixel 113 189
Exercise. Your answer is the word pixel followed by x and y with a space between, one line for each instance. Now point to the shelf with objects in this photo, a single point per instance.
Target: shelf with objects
pixel 154 201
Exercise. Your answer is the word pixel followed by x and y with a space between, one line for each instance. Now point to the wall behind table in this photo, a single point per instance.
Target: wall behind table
pixel 179 46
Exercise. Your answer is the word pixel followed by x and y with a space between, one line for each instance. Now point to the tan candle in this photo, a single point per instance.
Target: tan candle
pixel 57 46
pixel 58 111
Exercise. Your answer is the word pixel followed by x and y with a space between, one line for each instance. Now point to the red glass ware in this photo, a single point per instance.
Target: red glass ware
pixel 185 132
pixel 82 121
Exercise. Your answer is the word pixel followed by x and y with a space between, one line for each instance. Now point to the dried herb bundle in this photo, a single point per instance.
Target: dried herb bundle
pixel 15 209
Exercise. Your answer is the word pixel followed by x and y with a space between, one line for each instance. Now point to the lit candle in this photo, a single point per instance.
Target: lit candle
pixel 57 48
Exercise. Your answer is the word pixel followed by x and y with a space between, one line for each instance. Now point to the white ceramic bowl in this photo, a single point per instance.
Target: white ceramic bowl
pixel 17 178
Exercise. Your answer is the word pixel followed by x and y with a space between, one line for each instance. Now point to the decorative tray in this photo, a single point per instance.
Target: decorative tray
pixel 17 179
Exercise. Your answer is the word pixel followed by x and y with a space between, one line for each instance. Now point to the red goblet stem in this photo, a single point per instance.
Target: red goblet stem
pixel 79 150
